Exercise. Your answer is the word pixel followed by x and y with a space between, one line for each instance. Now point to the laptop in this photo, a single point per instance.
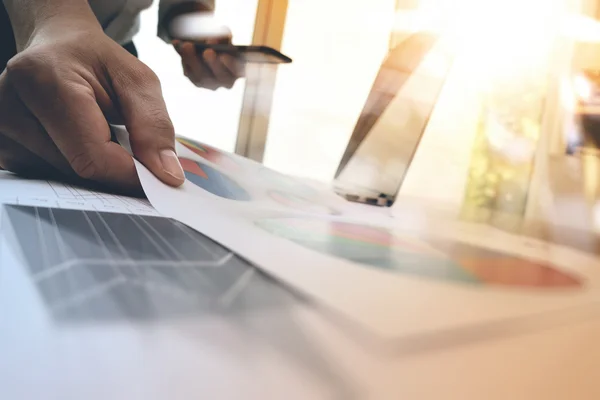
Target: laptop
pixel 393 120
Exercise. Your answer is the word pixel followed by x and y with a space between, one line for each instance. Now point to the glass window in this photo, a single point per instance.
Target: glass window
pixel 337 47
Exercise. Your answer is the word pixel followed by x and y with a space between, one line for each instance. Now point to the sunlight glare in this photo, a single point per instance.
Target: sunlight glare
pixel 499 37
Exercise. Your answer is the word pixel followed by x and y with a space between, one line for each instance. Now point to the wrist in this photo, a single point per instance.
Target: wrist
pixel 31 18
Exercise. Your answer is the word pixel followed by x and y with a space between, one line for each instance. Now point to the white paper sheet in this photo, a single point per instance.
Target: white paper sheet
pixel 413 289
pixel 19 191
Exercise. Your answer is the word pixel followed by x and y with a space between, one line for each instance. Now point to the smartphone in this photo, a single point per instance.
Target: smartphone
pixel 249 54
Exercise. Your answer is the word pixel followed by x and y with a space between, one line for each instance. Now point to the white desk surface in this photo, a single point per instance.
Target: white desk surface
pixel 255 341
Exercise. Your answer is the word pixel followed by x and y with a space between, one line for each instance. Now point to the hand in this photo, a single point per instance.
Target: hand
pixel 56 97
pixel 208 69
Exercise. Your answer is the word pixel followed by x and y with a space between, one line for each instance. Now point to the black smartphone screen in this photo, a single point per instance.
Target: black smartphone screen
pixel 250 54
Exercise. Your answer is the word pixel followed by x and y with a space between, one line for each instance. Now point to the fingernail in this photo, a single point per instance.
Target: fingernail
pixel 171 164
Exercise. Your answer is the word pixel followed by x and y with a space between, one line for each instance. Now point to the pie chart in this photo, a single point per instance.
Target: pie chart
pixel 211 154
pixel 213 181
pixel 436 259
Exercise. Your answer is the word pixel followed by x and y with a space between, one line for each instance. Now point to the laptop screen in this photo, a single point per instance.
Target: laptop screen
pixel 393 119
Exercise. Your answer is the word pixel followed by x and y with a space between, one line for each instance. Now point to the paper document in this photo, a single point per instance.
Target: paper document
pixel 18 191
pixel 396 277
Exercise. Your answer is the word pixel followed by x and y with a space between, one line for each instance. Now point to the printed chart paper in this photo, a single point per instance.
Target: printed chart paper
pixel 396 277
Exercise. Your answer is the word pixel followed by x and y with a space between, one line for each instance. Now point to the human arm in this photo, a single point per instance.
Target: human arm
pixel 68 81
pixel 184 21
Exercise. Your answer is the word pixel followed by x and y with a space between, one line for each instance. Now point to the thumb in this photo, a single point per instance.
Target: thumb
pixel 151 131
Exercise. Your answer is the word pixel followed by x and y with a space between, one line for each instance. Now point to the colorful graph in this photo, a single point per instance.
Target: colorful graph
pixel 437 259
pixel 213 181
pixel 301 203
pixel 218 157
pixel 282 189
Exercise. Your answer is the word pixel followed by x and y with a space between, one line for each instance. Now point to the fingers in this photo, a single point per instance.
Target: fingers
pixel 196 70
pixel 16 158
pixel 207 69
pixel 151 131
pixel 235 66
pixel 67 109
pixel 19 125
pixel 222 74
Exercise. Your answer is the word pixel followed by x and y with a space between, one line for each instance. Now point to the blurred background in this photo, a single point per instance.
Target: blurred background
pixel 512 131
pixel 312 105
